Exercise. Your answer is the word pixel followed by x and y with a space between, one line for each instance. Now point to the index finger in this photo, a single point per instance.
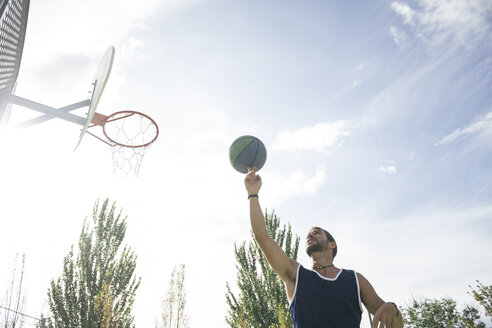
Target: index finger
pixel 252 169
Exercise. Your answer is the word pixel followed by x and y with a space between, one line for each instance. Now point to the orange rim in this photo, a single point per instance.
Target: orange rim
pixel 125 114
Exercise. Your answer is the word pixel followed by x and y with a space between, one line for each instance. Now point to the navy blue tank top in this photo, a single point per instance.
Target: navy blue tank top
pixel 321 302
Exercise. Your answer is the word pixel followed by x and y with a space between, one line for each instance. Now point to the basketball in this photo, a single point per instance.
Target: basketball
pixel 247 151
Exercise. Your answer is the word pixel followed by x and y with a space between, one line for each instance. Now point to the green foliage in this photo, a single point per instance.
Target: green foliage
pixel 97 289
pixel 440 313
pixel 262 302
pixel 469 318
pixel 483 295
pixel 173 305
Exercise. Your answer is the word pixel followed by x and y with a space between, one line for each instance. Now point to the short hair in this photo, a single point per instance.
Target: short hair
pixel 330 238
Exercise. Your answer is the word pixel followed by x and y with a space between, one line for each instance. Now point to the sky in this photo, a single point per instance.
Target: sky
pixel 377 119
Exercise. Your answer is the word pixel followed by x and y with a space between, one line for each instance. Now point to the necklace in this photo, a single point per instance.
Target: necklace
pixel 323 266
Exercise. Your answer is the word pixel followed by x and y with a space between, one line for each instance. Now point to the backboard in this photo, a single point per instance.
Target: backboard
pixel 13 24
pixel 98 83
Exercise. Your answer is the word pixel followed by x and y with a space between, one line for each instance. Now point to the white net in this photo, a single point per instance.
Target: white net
pixel 127 161
pixel 130 134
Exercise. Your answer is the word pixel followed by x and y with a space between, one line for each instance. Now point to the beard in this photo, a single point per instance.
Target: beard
pixel 315 248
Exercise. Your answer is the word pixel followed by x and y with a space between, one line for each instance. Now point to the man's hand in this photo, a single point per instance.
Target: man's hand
pixel 387 316
pixel 252 182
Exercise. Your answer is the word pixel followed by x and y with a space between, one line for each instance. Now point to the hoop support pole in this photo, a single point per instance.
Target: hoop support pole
pixel 47 117
pixel 16 100
pixel 101 139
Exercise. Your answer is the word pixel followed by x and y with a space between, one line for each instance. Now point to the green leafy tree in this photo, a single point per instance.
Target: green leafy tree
pixel 261 302
pixel 470 318
pixel 173 305
pixel 440 313
pixel 483 295
pixel 97 288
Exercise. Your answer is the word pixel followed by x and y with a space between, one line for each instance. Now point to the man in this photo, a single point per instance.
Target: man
pixel 325 297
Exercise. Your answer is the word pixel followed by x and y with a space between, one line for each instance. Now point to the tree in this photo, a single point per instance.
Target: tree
pixel 173 305
pixel 14 298
pixel 440 313
pixel 470 318
pixel 97 289
pixel 483 295
pixel 261 301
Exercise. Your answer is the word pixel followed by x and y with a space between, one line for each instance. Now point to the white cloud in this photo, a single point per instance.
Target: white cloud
pixel 88 27
pixel 437 22
pixel 391 169
pixel 359 67
pixel 296 184
pixel 319 137
pixel 480 127
pixel 399 36
pixel 404 10
pixel 355 84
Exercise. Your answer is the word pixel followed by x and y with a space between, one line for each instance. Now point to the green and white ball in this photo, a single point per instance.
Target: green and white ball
pixel 247 151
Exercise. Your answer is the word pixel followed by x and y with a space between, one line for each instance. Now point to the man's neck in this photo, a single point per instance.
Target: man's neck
pixel 321 259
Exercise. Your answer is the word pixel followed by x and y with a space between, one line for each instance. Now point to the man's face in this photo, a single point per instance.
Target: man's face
pixel 316 241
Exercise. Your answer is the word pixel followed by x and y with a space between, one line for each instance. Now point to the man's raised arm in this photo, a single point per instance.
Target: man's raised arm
pixel 285 267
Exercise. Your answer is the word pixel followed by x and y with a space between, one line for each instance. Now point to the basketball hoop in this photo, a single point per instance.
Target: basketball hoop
pixel 130 134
